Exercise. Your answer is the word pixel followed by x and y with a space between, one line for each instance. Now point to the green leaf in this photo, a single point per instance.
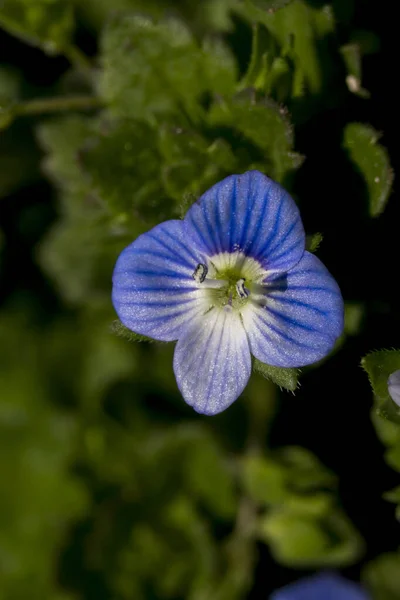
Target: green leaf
pixel 264 480
pixel 318 505
pixel 209 477
pixel 313 242
pixel 267 71
pixel 353 317
pixel 80 251
pixel 392 456
pixel 279 82
pixel 378 366
pixel 262 48
pixel 294 541
pixel 303 525
pixel 166 555
pixel 305 472
pixel 382 577
pixel 79 254
pixel 187 169
pixel 352 58
pixel 164 547
pixel 389 410
pixel 290 479
pixel 153 68
pixel 191 164
pixel 61 139
pixel 301 542
pixel 217 67
pixel 264 124
pixel 269 5
pixel 387 431
pixel 298 29
pixel 123 332
pixel 122 168
pixel 206 16
pixel 192 527
pixel 284 377
pixel 372 162
pixel 212 15
pixel 107 360
pixel 45 23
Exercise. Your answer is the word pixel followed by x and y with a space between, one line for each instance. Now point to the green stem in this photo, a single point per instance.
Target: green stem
pixel 78 58
pixel 261 401
pixel 61 104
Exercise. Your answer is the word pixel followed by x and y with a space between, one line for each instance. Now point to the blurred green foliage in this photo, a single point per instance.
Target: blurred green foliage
pixel 385 413
pixel 46 23
pixel 146 502
pixel 150 69
pixel 378 366
pixel 38 443
pixel 382 576
pixel 302 522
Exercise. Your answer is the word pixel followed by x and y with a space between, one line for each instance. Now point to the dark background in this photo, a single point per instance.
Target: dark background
pixel 362 253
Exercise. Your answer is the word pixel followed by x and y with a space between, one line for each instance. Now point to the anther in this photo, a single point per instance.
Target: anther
pixel 200 273
pixel 242 292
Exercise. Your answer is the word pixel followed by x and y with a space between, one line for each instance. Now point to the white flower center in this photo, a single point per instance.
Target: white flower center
pixel 229 279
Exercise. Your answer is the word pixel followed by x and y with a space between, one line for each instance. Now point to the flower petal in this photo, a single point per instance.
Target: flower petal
pixel 394 387
pixel 212 361
pixel 252 214
pixel 154 293
pixel 298 319
pixel 324 586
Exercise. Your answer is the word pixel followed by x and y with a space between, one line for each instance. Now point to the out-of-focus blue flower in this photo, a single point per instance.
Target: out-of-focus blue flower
pixel 394 387
pixel 229 280
pixel 325 586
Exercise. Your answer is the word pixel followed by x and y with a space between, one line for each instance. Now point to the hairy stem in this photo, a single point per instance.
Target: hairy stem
pixel 58 104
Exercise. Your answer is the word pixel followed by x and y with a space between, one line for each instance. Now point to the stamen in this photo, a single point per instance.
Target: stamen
pixel 242 292
pixel 215 284
pixel 214 267
pixel 200 273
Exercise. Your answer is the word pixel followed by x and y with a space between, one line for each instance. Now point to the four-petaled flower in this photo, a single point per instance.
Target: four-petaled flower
pixel 324 586
pixel 229 280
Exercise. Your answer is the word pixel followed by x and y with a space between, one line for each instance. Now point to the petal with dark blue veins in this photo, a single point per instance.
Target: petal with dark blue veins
pixel 252 214
pixel 154 293
pixel 298 319
pixel 212 361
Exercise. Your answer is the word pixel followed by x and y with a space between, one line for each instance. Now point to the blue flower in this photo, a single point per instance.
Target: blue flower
pixel 325 586
pixel 394 387
pixel 229 280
